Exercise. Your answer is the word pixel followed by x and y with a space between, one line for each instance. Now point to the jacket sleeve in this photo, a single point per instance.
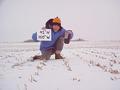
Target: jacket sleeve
pixel 34 37
pixel 70 33
pixel 68 36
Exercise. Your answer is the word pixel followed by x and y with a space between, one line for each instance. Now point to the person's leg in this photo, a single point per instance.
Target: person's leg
pixel 58 47
pixel 45 55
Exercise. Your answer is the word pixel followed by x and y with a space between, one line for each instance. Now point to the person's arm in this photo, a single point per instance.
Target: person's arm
pixel 68 36
pixel 34 37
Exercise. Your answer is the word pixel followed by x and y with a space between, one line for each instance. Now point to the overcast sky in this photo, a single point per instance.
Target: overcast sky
pixel 89 19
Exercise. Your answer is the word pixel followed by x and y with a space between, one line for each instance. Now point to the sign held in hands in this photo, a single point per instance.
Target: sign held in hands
pixel 44 35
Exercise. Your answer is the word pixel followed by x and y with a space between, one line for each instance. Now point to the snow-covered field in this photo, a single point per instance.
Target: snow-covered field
pixel 88 66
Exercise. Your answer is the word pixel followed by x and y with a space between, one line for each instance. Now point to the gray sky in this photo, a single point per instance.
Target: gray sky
pixel 89 19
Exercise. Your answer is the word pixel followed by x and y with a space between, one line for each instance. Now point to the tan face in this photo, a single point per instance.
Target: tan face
pixel 56 27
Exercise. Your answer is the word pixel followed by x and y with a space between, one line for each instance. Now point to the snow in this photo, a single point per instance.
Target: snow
pixel 87 66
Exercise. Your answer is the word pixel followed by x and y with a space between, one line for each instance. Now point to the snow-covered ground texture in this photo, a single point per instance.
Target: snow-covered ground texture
pixel 87 66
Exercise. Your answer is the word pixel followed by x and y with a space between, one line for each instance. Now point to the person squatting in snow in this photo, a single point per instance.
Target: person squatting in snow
pixel 55 46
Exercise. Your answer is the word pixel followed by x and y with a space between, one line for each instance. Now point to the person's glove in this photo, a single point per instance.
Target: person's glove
pixel 68 36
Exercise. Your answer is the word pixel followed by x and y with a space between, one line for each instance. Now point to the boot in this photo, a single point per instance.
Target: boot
pixel 40 57
pixel 58 56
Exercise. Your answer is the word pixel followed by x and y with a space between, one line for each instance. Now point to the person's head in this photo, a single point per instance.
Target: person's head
pixel 56 25
pixel 48 24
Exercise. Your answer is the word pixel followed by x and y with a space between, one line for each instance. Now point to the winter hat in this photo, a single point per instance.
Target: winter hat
pixel 56 21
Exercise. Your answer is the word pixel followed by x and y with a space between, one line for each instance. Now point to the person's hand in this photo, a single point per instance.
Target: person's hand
pixel 68 36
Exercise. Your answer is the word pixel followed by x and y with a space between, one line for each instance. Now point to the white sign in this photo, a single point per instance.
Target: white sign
pixel 44 35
